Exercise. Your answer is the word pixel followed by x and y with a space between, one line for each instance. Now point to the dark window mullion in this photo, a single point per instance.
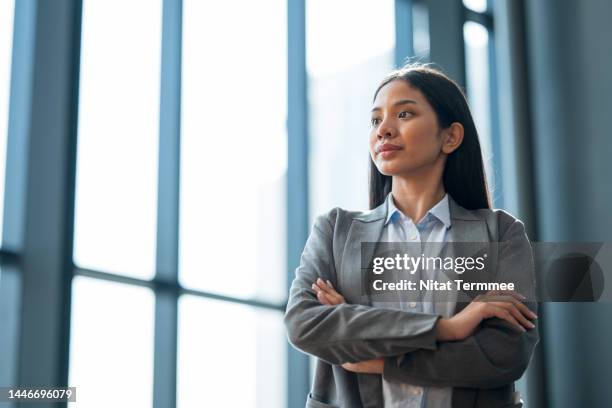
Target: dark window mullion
pixel 50 114
pixel 161 285
pixel 484 19
pixel 447 50
pixel 298 381
pixel 165 349
pixel 498 199
pixel 404 47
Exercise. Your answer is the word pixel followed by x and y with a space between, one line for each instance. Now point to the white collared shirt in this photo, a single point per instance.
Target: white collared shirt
pixel 433 227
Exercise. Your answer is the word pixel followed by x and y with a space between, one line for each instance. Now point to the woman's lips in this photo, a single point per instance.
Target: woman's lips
pixel 385 154
pixel 388 150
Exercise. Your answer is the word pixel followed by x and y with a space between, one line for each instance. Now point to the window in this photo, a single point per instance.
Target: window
pixel 234 148
pixel 111 343
pixel 233 165
pixel 478 91
pixel 6 47
pixel 221 340
pixel 344 67
pixel 111 346
pixel 116 196
pixel 233 229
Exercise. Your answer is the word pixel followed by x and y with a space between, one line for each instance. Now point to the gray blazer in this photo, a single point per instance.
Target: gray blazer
pixel 481 368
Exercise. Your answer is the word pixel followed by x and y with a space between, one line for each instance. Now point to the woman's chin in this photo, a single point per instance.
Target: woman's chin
pixel 388 169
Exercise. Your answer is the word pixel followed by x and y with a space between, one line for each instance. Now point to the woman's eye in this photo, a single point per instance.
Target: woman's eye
pixel 375 121
pixel 405 114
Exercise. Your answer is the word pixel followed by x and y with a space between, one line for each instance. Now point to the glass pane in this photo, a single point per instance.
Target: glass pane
pixel 234 148
pixel 116 198
pixel 344 67
pixel 478 88
pixel 222 344
pixel 111 344
pixel 6 47
pixel 476 5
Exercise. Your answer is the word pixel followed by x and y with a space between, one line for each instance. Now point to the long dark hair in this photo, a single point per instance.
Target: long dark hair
pixel 464 177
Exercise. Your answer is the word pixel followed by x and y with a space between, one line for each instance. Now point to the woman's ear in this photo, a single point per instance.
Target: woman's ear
pixel 453 136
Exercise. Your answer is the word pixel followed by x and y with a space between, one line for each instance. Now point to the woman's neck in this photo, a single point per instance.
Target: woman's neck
pixel 415 196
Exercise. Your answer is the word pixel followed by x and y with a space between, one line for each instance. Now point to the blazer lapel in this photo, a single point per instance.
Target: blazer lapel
pixel 468 235
pixel 365 227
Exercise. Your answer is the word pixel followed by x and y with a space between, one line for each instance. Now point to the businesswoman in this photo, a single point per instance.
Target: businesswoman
pixel 427 184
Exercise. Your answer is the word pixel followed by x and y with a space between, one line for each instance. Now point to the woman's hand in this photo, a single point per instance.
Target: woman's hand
pixel 506 305
pixel 375 366
pixel 326 293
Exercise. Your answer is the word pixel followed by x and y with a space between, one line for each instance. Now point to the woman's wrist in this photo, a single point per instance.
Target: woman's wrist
pixel 444 330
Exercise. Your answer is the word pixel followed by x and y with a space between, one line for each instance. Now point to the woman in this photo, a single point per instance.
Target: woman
pixel 427 184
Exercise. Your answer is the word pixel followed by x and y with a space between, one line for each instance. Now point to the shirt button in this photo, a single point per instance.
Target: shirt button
pixel 413 237
pixel 416 390
pixel 412 304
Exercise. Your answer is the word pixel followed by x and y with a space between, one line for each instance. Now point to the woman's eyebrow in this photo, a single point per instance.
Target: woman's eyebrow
pixel 400 102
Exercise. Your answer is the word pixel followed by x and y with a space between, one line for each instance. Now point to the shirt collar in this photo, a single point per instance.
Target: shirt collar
pixel 441 211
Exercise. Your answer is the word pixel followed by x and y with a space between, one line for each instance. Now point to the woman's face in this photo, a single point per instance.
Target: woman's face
pixel 405 136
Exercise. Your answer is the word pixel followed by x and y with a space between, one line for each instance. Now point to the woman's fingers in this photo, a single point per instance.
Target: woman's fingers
pixel 500 304
pixel 525 310
pixel 326 294
pixel 516 313
pixel 327 288
pixel 510 310
pixel 375 366
pixel 323 298
pixel 330 292
pixel 512 300
pixel 331 300
pixel 504 314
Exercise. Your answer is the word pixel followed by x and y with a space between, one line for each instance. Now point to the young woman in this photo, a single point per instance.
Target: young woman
pixel 427 184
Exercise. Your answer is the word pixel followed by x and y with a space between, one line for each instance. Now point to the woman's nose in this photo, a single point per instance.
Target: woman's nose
pixel 385 131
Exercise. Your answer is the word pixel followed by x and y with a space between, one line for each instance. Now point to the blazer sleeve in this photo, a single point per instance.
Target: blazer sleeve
pixel 346 332
pixel 496 354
